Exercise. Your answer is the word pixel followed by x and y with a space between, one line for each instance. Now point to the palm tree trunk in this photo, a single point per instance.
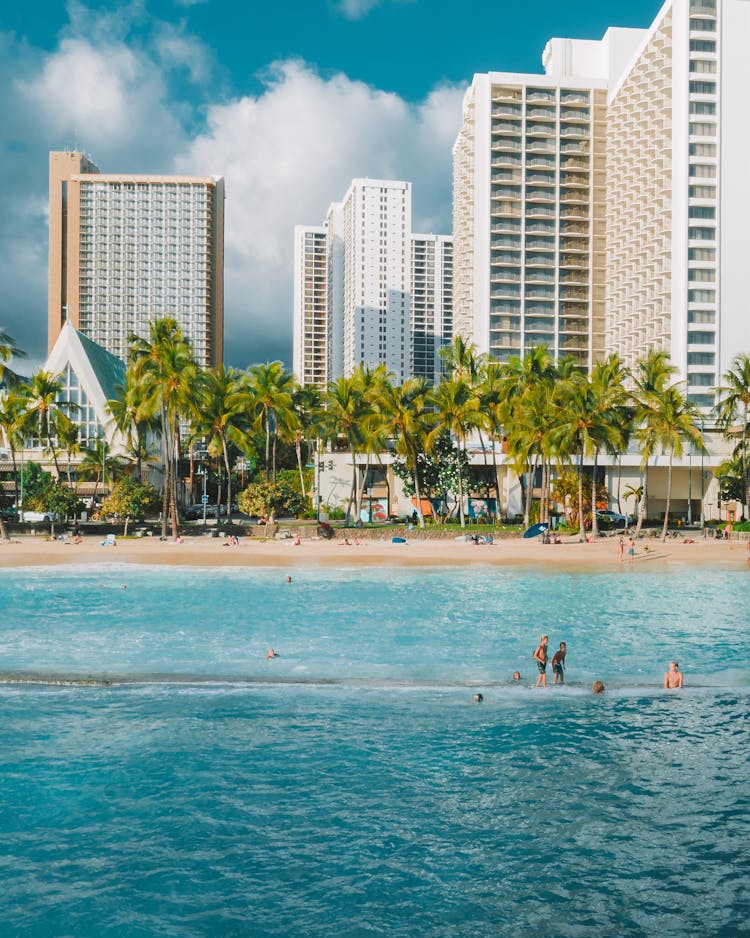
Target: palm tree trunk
pixel 461 497
pixel 3 530
pixel 353 489
pixel 581 527
pixel 167 461
pixel 531 469
pixel 175 457
pixel 268 446
pixel 594 525
pixel 361 495
pixel 229 479
pixel 298 451
pixel 669 498
pixel 15 472
pixel 642 502
pixel 417 491
pixel 745 461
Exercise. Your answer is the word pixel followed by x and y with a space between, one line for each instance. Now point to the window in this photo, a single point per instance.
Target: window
pixel 702 171
pixel 701 358
pixel 701 211
pixel 707 380
pixel 701 275
pixel 702 130
pixel 701 296
pixel 701 67
pixel 701 254
pixel 702 87
pixel 702 45
pixel 703 149
pixel 702 107
pixel 701 234
pixel 703 26
pixel 702 316
pixel 701 338
pixel 702 192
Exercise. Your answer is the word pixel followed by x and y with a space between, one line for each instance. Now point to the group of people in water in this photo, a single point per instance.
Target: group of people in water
pixel 673 679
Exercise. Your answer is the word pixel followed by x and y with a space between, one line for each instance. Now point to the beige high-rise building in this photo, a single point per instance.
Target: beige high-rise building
pixel 127 249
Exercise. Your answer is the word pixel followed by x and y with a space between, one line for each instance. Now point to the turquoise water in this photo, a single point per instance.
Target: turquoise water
pixel 350 785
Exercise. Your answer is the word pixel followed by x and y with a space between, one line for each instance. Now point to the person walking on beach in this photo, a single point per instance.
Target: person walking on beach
pixel 622 549
pixel 631 550
pixel 540 656
pixel 558 664
pixel 673 679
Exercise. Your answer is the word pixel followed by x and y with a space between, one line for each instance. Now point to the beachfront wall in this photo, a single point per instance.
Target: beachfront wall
pixel 695 489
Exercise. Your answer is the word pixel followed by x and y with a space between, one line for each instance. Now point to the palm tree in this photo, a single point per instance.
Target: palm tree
pixel 45 418
pixel 164 374
pixel 458 412
pixel 271 388
pixel 224 401
pixel 99 464
pixel 524 408
pixel 672 420
pixel 302 427
pixel 734 404
pixel 345 410
pixel 8 351
pixel 461 360
pixel 651 376
pixel 408 414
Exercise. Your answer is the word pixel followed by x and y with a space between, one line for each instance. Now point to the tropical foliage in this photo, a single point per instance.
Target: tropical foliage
pixel 224 427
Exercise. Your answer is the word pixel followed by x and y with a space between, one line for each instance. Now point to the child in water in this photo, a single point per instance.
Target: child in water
pixel 558 664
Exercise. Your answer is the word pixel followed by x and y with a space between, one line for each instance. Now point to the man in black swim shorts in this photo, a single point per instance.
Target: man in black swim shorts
pixel 540 656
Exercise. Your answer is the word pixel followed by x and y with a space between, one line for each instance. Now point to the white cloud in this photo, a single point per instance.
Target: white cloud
pixel 356 9
pixel 292 150
pixel 286 154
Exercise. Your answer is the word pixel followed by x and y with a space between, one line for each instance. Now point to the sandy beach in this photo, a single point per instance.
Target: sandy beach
pixel 202 551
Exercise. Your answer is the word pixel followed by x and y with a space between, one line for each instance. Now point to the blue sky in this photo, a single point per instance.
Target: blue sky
pixel 287 100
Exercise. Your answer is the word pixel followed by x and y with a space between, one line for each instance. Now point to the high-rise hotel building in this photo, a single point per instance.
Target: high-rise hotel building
pixel 125 250
pixel 645 133
pixel 369 292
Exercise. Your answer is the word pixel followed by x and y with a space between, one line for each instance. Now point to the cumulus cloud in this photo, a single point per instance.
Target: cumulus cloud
pixel 355 9
pixel 286 153
pixel 291 151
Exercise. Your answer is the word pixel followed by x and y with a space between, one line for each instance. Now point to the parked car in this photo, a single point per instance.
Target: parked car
pixel 39 516
pixel 611 519
pixel 9 513
pixel 195 512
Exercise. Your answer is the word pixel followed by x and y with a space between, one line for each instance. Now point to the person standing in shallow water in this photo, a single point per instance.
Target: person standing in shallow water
pixel 673 679
pixel 558 664
pixel 540 656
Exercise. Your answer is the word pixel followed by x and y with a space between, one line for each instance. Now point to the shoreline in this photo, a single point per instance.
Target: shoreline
pixel 568 556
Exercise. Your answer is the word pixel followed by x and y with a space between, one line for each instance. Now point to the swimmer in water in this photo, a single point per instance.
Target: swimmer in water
pixel 673 679
pixel 289 579
pixel 598 687
pixel 271 654
pixel 516 675
pixel 478 698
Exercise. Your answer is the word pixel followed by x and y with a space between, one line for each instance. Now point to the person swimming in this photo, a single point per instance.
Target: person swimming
pixel 478 698
pixel 271 654
pixel 598 687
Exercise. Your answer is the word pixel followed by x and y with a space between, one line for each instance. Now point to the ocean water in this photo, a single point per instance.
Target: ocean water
pixel 159 777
